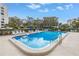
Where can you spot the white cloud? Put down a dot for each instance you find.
(65, 7)
(69, 6)
(44, 3)
(59, 8)
(34, 6)
(43, 10)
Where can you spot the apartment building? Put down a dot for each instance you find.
(3, 16)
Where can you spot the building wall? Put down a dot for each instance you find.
(3, 16)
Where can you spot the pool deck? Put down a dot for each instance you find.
(69, 47)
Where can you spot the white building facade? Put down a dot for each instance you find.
(3, 16)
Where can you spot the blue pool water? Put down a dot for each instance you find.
(38, 40)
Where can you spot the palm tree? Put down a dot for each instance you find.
(65, 27)
(50, 22)
(14, 22)
(75, 24)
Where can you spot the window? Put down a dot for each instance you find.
(2, 10)
(2, 13)
(2, 7)
(2, 26)
(2, 21)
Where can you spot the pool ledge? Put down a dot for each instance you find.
(42, 51)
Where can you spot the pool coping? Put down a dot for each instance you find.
(37, 52)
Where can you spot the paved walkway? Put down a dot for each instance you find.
(7, 48)
(69, 47)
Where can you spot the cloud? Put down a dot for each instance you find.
(59, 8)
(44, 3)
(69, 6)
(43, 10)
(38, 7)
(34, 6)
(65, 7)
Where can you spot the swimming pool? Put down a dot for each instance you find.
(40, 43)
(39, 40)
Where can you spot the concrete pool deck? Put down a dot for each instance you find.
(69, 47)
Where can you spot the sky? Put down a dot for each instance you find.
(64, 11)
